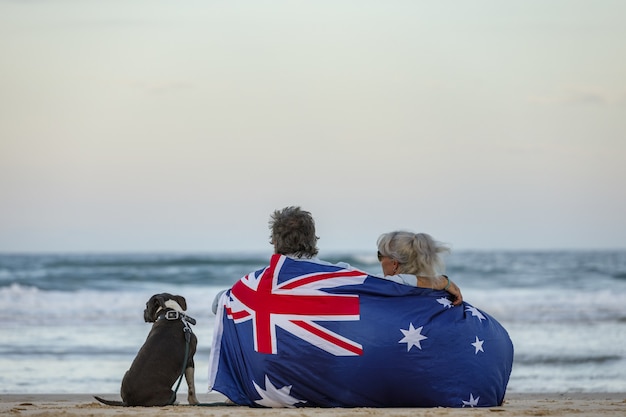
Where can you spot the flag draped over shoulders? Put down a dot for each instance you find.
(305, 334)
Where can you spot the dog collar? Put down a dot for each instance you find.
(176, 315)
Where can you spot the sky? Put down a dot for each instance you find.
(154, 125)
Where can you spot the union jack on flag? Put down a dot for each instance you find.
(296, 304)
(307, 333)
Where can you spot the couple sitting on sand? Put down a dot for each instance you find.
(302, 332)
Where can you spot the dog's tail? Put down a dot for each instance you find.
(110, 402)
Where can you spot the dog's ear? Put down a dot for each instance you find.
(159, 301)
(181, 301)
(152, 306)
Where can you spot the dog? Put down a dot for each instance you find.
(159, 362)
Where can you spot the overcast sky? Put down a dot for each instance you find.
(153, 125)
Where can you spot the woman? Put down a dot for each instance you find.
(414, 259)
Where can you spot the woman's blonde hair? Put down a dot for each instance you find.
(417, 253)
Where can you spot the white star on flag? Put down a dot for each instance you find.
(478, 344)
(475, 313)
(274, 397)
(472, 401)
(412, 337)
(445, 302)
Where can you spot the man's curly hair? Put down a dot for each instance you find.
(293, 232)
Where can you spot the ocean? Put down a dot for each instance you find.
(72, 323)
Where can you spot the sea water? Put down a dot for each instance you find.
(72, 323)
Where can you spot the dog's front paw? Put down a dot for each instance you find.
(191, 399)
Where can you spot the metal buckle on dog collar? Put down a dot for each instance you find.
(172, 315)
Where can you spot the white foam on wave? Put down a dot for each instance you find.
(26, 304)
(527, 305)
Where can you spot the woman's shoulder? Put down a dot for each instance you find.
(405, 279)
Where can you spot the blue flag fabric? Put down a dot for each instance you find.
(305, 334)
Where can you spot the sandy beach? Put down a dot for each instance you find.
(570, 404)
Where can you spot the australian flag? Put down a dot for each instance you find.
(302, 333)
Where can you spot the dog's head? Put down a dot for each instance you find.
(160, 301)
